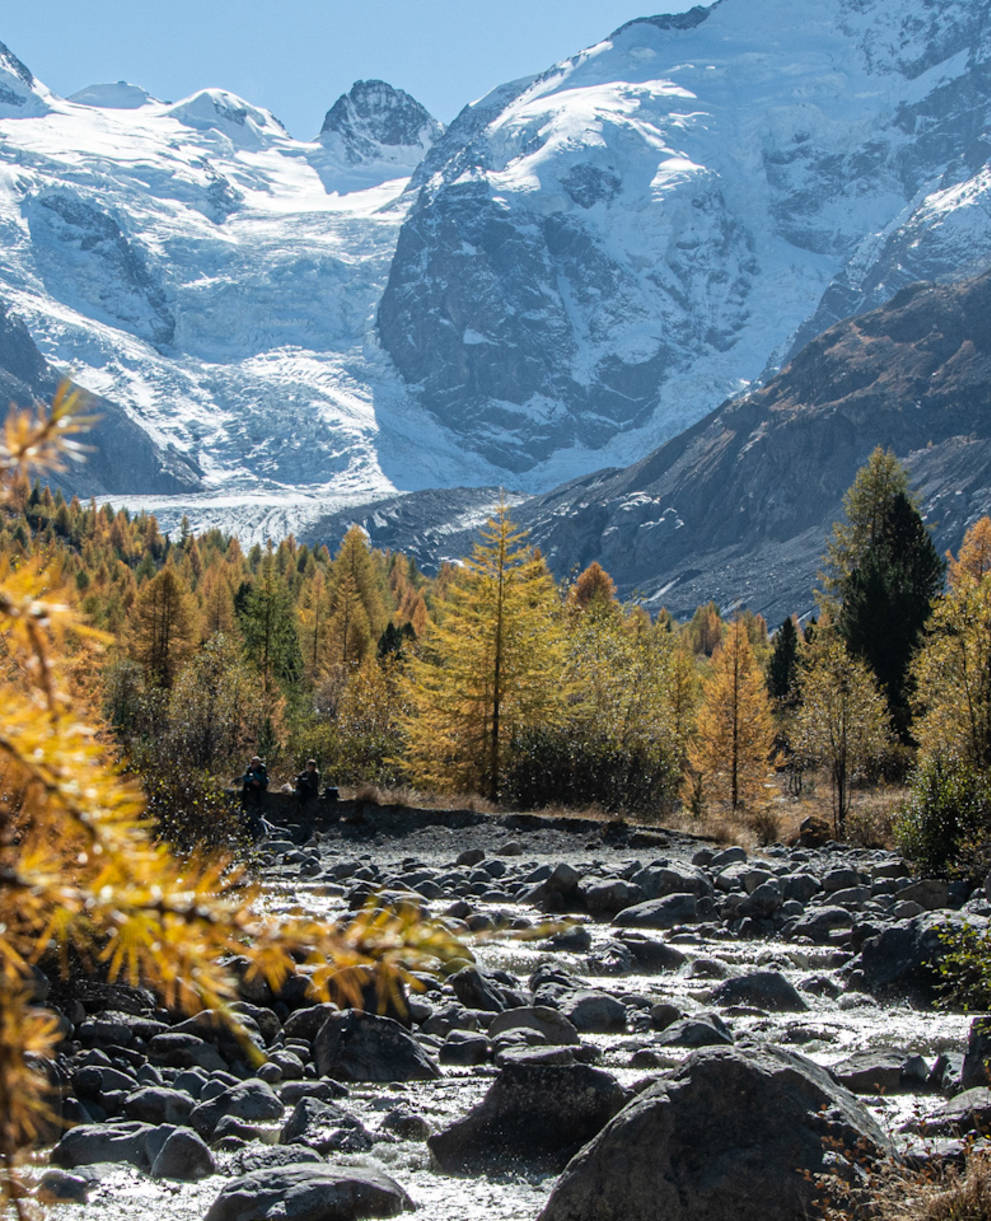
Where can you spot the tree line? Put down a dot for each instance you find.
(492, 678)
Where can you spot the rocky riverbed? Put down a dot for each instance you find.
(697, 1020)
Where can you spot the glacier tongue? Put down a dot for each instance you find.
(194, 263)
(581, 265)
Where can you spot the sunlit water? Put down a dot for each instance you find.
(831, 1030)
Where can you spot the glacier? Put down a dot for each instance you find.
(581, 265)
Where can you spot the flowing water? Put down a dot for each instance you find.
(832, 1029)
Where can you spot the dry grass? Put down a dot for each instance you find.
(892, 1193)
(416, 799)
(869, 823)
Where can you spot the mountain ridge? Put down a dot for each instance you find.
(585, 262)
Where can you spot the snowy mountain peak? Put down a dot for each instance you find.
(674, 21)
(246, 126)
(376, 122)
(120, 95)
(21, 95)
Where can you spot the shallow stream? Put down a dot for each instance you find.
(832, 1029)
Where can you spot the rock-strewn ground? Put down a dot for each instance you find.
(660, 970)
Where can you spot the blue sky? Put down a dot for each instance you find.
(296, 57)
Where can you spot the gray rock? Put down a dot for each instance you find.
(248, 1100)
(477, 990)
(966, 1112)
(180, 1050)
(607, 896)
(660, 913)
(594, 1011)
(92, 1081)
(258, 1155)
(535, 1114)
(464, 1047)
(730, 1135)
(308, 1192)
(651, 954)
(879, 1071)
(575, 939)
(765, 989)
(800, 886)
(853, 898)
(764, 900)
(553, 1025)
(406, 1124)
(60, 1187)
(930, 893)
(820, 924)
(840, 878)
(658, 880)
(117, 1142)
(327, 1091)
(903, 959)
(325, 1127)
(696, 1032)
(976, 1068)
(156, 1104)
(183, 1156)
(728, 856)
(304, 1023)
(358, 1046)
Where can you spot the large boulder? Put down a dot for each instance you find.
(976, 1070)
(477, 990)
(732, 1134)
(590, 1010)
(248, 1100)
(764, 989)
(660, 879)
(660, 913)
(183, 1156)
(903, 959)
(551, 1024)
(310, 1192)
(536, 1112)
(131, 1142)
(357, 1046)
(325, 1127)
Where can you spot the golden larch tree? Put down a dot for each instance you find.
(952, 673)
(164, 626)
(733, 746)
(80, 871)
(974, 559)
(490, 665)
(842, 720)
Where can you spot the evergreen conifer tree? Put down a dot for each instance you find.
(884, 574)
(783, 663)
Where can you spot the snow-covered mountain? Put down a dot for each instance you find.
(218, 280)
(581, 266)
(646, 226)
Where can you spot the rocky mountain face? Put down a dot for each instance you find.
(582, 265)
(21, 95)
(650, 224)
(216, 279)
(739, 507)
(374, 122)
(121, 455)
